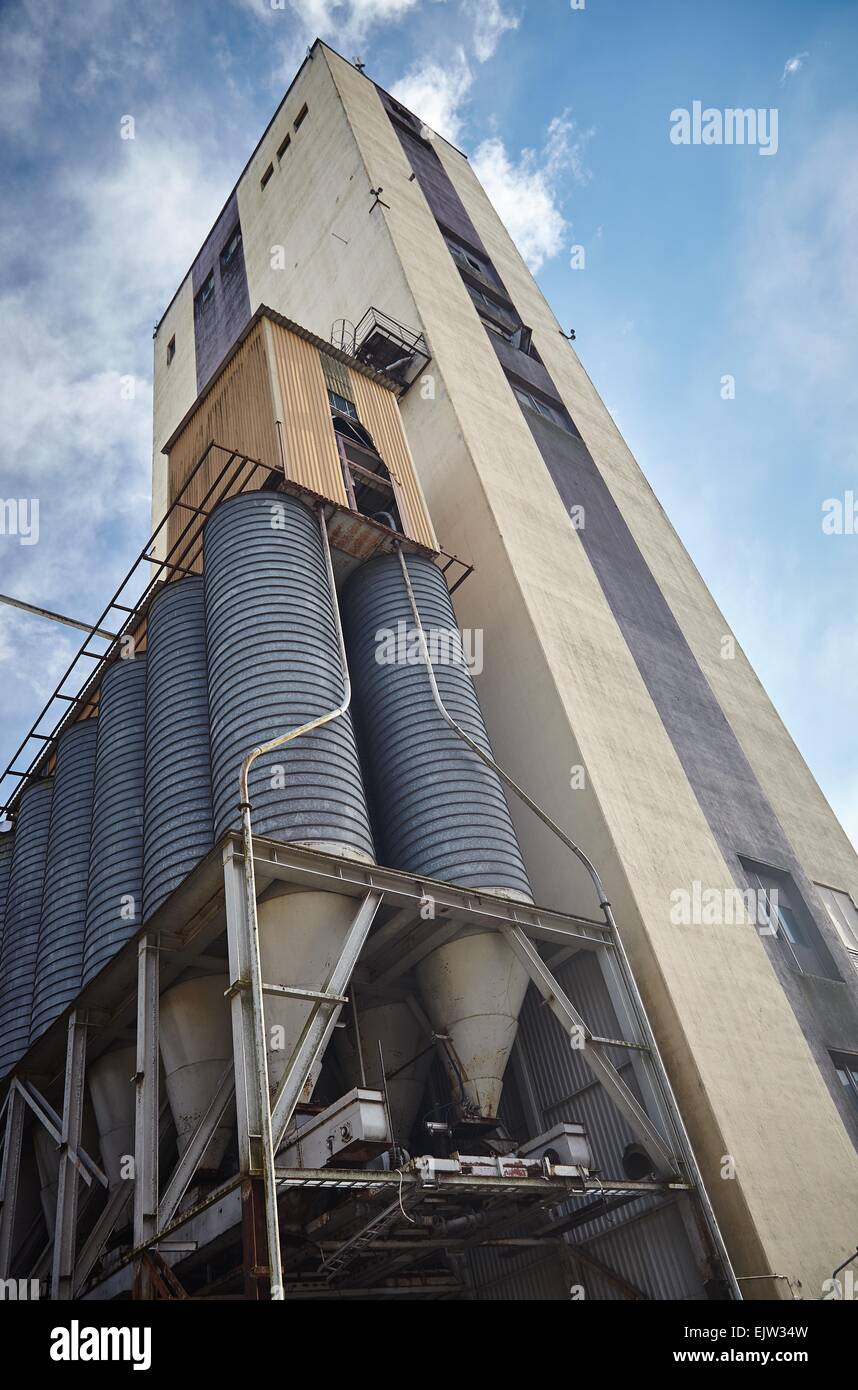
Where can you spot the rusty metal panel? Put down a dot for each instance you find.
(311, 456)
(379, 412)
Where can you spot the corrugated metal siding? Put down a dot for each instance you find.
(311, 451)
(645, 1242)
(238, 413)
(379, 412)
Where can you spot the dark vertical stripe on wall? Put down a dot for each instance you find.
(218, 322)
(740, 815)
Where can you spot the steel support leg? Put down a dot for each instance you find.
(322, 1020)
(594, 1054)
(147, 1107)
(65, 1228)
(9, 1175)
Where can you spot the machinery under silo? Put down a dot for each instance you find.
(306, 918)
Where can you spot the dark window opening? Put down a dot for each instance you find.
(549, 410)
(787, 917)
(465, 257)
(206, 291)
(171, 349)
(301, 116)
(266, 176)
(284, 145)
(231, 250)
(342, 405)
(369, 486)
(846, 1064)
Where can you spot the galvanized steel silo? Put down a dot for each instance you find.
(7, 844)
(114, 899)
(59, 964)
(274, 663)
(21, 922)
(195, 1032)
(439, 811)
(177, 821)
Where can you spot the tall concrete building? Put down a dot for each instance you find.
(609, 685)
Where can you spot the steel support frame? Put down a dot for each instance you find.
(65, 1230)
(259, 1216)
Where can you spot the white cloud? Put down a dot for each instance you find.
(793, 65)
(491, 22)
(527, 192)
(436, 92)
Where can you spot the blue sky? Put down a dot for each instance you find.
(700, 262)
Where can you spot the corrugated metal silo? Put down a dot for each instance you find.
(60, 960)
(114, 900)
(7, 845)
(177, 821)
(21, 922)
(274, 663)
(439, 810)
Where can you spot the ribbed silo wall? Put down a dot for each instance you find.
(274, 664)
(114, 899)
(438, 810)
(59, 965)
(21, 922)
(177, 821)
(7, 845)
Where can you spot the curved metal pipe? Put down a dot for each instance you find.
(272, 1222)
(672, 1109)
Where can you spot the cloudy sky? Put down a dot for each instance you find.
(699, 263)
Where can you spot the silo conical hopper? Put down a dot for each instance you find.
(273, 664)
(114, 1100)
(407, 1053)
(439, 810)
(48, 1161)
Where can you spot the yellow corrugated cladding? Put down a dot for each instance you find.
(308, 437)
(237, 413)
(378, 411)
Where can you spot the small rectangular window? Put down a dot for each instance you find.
(844, 915)
(344, 406)
(284, 145)
(847, 1073)
(171, 349)
(266, 176)
(232, 248)
(206, 291)
(301, 116)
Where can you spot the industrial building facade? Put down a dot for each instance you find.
(359, 334)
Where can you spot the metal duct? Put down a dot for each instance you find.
(21, 922)
(59, 964)
(274, 663)
(113, 909)
(439, 810)
(177, 820)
